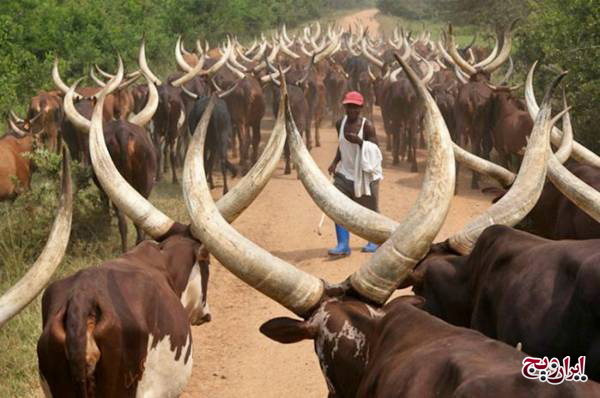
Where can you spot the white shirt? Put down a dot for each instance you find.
(361, 165)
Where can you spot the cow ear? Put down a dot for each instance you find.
(287, 330)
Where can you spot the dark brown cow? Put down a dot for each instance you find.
(511, 125)
(129, 146)
(401, 351)
(336, 84)
(44, 118)
(473, 103)
(366, 350)
(517, 287)
(554, 216)
(14, 166)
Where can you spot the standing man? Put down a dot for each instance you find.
(356, 167)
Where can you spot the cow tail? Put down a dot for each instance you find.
(82, 351)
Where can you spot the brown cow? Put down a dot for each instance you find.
(44, 118)
(130, 148)
(122, 329)
(14, 166)
(366, 350)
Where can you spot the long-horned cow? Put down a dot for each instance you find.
(364, 349)
(122, 329)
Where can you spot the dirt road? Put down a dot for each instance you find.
(231, 357)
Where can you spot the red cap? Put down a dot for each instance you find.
(353, 97)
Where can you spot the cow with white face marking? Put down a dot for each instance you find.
(366, 348)
(122, 329)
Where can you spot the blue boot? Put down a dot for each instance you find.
(343, 238)
(369, 248)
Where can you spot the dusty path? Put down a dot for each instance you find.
(232, 358)
(364, 17)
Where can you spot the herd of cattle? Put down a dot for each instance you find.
(122, 329)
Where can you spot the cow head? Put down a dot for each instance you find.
(342, 330)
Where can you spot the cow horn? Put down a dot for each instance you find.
(235, 71)
(58, 81)
(482, 166)
(504, 52)
(444, 53)
(198, 71)
(527, 187)
(95, 78)
(144, 65)
(189, 93)
(581, 194)
(80, 122)
(294, 289)
(102, 72)
(199, 48)
(231, 89)
(410, 242)
(21, 133)
(503, 88)
(458, 60)
(127, 199)
(38, 276)
(146, 114)
(490, 57)
(460, 75)
(369, 56)
(179, 57)
(580, 153)
(394, 74)
(371, 75)
(14, 117)
(566, 144)
(287, 51)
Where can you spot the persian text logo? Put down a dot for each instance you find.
(552, 371)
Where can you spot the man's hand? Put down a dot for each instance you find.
(353, 138)
(332, 167)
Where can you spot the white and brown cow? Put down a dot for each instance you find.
(122, 329)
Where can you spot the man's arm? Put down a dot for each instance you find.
(369, 133)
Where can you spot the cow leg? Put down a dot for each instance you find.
(223, 163)
(159, 157)
(122, 228)
(286, 155)
(396, 147)
(166, 151)
(208, 165)
(475, 176)
(413, 151)
(255, 141)
(244, 149)
(172, 150)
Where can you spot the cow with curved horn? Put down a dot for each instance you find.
(15, 166)
(113, 330)
(44, 118)
(361, 343)
(130, 148)
(169, 119)
(219, 132)
(481, 277)
(37, 277)
(473, 103)
(298, 108)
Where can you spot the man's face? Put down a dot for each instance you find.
(353, 111)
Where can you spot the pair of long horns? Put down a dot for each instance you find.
(299, 291)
